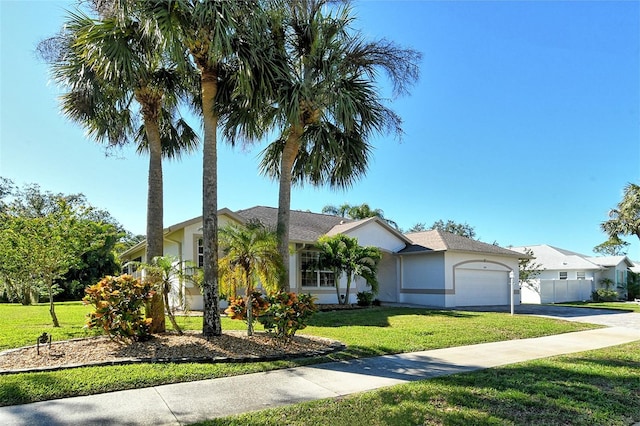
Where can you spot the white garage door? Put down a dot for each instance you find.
(478, 287)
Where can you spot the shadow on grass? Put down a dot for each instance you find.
(377, 316)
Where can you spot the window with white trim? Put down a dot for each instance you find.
(580, 275)
(312, 274)
(563, 275)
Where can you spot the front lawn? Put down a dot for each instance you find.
(366, 332)
(623, 306)
(600, 387)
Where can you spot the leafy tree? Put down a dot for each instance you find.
(30, 202)
(418, 227)
(462, 229)
(328, 104)
(614, 246)
(252, 253)
(343, 254)
(625, 219)
(357, 212)
(228, 43)
(42, 249)
(114, 73)
(528, 269)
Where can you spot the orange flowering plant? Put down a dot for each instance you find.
(118, 303)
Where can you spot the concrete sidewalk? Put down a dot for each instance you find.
(185, 403)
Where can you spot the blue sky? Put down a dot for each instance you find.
(525, 124)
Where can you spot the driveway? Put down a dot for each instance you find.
(608, 317)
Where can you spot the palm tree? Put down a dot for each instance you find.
(227, 42)
(253, 249)
(328, 107)
(363, 211)
(343, 254)
(114, 73)
(625, 220)
(162, 272)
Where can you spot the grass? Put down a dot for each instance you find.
(366, 332)
(623, 306)
(589, 388)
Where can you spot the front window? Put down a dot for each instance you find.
(200, 254)
(563, 275)
(580, 275)
(313, 275)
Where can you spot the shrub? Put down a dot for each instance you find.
(118, 303)
(287, 313)
(365, 298)
(238, 306)
(604, 295)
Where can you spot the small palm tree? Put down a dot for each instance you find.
(343, 254)
(163, 272)
(251, 249)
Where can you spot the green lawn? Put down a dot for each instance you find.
(366, 332)
(624, 306)
(599, 387)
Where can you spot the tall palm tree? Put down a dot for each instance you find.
(329, 106)
(226, 40)
(113, 74)
(253, 249)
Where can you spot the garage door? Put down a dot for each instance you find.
(478, 287)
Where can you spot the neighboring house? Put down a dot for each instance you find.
(568, 276)
(431, 268)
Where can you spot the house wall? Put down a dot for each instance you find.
(388, 278)
(554, 274)
(422, 276)
(373, 234)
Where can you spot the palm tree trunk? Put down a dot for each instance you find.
(172, 318)
(211, 319)
(154, 210)
(289, 154)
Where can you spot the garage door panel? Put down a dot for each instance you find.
(477, 287)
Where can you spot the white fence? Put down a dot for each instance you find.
(556, 291)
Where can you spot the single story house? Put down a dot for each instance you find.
(431, 268)
(568, 276)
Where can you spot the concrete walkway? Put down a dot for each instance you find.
(185, 403)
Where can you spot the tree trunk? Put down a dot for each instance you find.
(211, 325)
(249, 304)
(346, 293)
(52, 306)
(154, 208)
(172, 318)
(289, 155)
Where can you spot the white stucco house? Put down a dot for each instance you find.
(568, 276)
(431, 268)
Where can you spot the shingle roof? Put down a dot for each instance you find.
(554, 258)
(303, 226)
(436, 240)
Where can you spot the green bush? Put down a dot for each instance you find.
(287, 313)
(118, 303)
(365, 298)
(604, 295)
